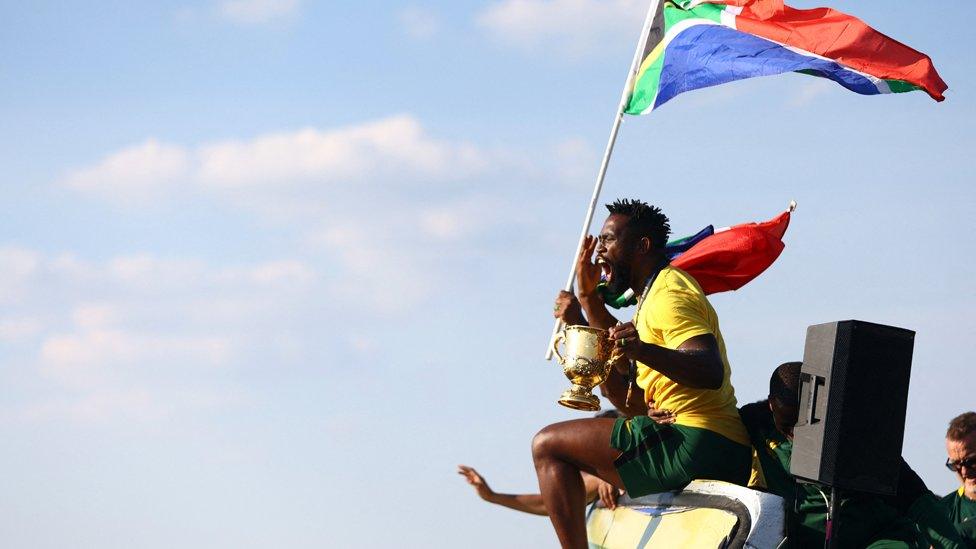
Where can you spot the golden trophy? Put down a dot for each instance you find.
(589, 355)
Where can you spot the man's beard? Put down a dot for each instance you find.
(620, 281)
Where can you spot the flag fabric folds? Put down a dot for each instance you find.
(731, 257)
(694, 44)
(677, 247)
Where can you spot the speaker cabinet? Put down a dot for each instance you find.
(853, 395)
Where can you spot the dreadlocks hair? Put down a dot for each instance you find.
(784, 385)
(962, 426)
(645, 219)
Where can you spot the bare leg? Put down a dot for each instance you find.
(560, 452)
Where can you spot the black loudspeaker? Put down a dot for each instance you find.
(853, 395)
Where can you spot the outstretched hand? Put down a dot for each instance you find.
(476, 480)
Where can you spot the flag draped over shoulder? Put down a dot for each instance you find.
(729, 258)
(694, 44)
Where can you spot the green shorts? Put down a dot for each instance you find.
(658, 458)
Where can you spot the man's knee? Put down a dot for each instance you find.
(545, 442)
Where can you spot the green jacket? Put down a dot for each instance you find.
(912, 519)
(962, 512)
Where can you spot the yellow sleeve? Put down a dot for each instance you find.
(678, 316)
(757, 480)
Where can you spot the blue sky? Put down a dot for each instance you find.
(269, 269)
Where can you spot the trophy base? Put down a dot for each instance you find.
(579, 398)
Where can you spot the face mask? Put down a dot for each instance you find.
(617, 301)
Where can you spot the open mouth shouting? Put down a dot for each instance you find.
(614, 274)
(607, 268)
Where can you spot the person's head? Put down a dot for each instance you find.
(632, 238)
(784, 396)
(961, 447)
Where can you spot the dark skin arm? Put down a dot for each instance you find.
(568, 308)
(532, 503)
(696, 363)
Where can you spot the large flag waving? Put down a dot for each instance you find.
(694, 44)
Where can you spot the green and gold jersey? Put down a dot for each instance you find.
(962, 513)
(771, 452)
(864, 520)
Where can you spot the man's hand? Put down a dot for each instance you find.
(587, 272)
(608, 494)
(567, 309)
(474, 479)
(696, 363)
(626, 341)
(663, 417)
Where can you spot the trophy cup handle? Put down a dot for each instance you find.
(560, 337)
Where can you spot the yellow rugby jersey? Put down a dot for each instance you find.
(674, 311)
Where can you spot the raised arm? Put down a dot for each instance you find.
(587, 279)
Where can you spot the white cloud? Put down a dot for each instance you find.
(561, 27)
(92, 358)
(15, 329)
(282, 273)
(389, 274)
(136, 173)
(147, 270)
(92, 316)
(132, 335)
(459, 220)
(396, 148)
(17, 265)
(419, 23)
(423, 196)
(140, 405)
(254, 12)
(392, 146)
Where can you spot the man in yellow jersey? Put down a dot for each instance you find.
(960, 505)
(681, 366)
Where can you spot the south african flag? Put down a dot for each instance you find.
(694, 44)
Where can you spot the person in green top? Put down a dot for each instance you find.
(911, 518)
(960, 505)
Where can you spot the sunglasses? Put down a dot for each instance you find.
(956, 466)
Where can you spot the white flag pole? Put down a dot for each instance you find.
(618, 118)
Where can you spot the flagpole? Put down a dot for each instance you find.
(618, 118)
